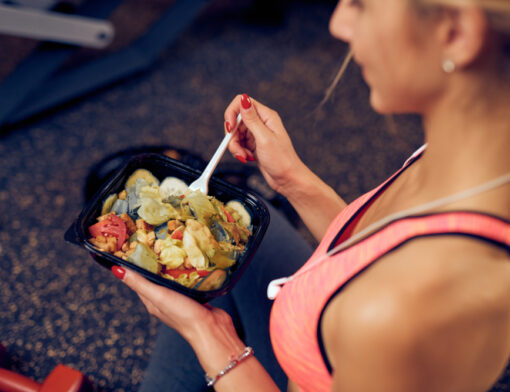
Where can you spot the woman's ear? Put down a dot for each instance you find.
(463, 34)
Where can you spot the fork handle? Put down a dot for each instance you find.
(209, 169)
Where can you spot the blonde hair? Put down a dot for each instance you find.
(346, 61)
(497, 11)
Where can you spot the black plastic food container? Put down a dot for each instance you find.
(162, 166)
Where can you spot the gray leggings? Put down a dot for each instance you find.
(173, 365)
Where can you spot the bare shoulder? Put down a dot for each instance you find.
(432, 315)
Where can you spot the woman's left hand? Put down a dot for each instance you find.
(208, 330)
(172, 308)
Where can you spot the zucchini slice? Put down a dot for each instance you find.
(143, 174)
(172, 186)
(108, 203)
(244, 215)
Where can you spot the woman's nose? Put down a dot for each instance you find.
(341, 22)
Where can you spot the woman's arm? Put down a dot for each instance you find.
(262, 137)
(316, 202)
(208, 330)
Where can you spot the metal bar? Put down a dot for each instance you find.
(41, 64)
(114, 67)
(54, 26)
(40, 4)
(80, 81)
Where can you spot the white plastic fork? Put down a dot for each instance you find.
(202, 183)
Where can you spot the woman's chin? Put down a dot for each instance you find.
(388, 106)
(379, 105)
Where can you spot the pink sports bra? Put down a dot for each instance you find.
(297, 310)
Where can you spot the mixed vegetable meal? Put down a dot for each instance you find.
(171, 231)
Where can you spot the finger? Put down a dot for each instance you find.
(253, 113)
(247, 141)
(232, 110)
(152, 309)
(250, 148)
(155, 293)
(252, 119)
(147, 303)
(238, 146)
(242, 145)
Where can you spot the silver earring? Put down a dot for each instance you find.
(448, 66)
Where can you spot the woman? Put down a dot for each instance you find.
(432, 313)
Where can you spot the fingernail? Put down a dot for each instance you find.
(119, 272)
(227, 127)
(245, 101)
(241, 159)
(251, 158)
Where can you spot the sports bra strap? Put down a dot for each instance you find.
(464, 222)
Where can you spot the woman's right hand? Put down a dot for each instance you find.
(261, 136)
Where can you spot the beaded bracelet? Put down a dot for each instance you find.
(247, 352)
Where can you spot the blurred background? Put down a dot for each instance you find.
(71, 113)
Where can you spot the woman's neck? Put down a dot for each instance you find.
(468, 133)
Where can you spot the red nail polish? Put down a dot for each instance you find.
(251, 158)
(227, 126)
(241, 159)
(119, 272)
(245, 101)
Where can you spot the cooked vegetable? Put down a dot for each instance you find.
(200, 206)
(195, 256)
(149, 192)
(172, 253)
(143, 174)
(177, 235)
(185, 236)
(213, 281)
(219, 232)
(227, 215)
(155, 213)
(203, 237)
(110, 226)
(176, 273)
(144, 257)
(133, 204)
(108, 203)
(161, 231)
(120, 207)
(240, 212)
(189, 278)
(174, 201)
(172, 186)
(226, 255)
